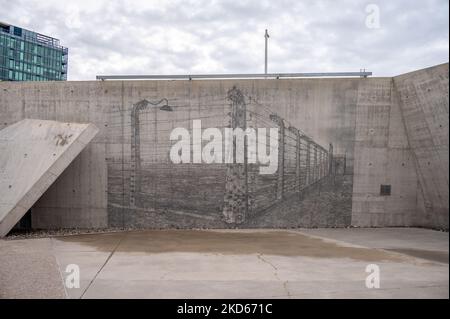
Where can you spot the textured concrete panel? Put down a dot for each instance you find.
(33, 153)
(424, 103)
(382, 157)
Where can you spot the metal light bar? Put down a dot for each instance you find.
(232, 76)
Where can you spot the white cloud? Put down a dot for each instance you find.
(162, 37)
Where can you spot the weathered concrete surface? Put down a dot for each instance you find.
(98, 185)
(239, 264)
(424, 104)
(369, 121)
(29, 269)
(33, 153)
(433, 244)
(382, 156)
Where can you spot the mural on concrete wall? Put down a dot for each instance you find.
(310, 187)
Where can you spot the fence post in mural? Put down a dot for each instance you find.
(312, 164)
(315, 164)
(135, 151)
(133, 158)
(330, 159)
(297, 157)
(298, 162)
(319, 163)
(322, 161)
(280, 178)
(235, 206)
(135, 174)
(308, 162)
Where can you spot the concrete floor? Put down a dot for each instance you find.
(307, 263)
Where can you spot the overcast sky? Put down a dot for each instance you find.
(191, 37)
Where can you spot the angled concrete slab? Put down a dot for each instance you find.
(33, 153)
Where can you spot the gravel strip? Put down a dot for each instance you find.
(44, 233)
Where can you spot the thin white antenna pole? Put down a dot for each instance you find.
(266, 36)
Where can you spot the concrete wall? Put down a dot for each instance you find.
(196, 195)
(372, 124)
(78, 198)
(382, 157)
(423, 103)
(33, 153)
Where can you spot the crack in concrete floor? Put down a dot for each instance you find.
(168, 264)
(284, 282)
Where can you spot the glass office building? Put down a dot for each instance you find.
(30, 56)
